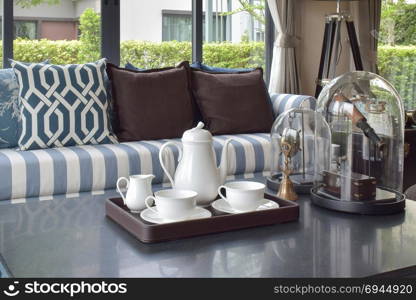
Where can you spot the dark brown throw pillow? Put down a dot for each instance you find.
(151, 104)
(232, 103)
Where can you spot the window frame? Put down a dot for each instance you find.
(8, 32)
(110, 32)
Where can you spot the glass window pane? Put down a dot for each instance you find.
(26, 29)
(155, 33)
(177, 27)
(397, 48)
(234, 33)
(64, 33)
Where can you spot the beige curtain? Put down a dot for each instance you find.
(368, 13)
(284, 76)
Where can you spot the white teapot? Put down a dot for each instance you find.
(197, 169)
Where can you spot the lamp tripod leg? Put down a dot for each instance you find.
(326, 54)
(321, 64)
(332, 37)
(355, 48)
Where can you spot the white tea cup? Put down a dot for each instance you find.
(173, 204)
(243, 195)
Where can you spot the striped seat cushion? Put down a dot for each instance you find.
(47, 172)
(284, 102)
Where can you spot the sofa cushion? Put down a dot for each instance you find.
(9, 109)
(232, 103)
(204, 67)
(63, 105)
(130, 66)
(285, 102)
(200, 66)
(151, 104)
(46, 172)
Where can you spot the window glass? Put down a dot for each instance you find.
(155, 34)
(234, 33)
(177, 27)
(397, 48)
(25, 29)
(63, 32)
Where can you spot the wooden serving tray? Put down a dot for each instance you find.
(219, 222)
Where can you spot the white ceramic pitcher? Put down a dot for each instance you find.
(197, 169)
(139, 187)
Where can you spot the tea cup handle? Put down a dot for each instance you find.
(220, 193)
(148, 205)
(119, 190)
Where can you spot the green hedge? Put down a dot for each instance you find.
(154, 55)
(227, 55)
(59, 52)
(397, 64)
(145, 54)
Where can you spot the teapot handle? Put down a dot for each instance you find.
(162, 149)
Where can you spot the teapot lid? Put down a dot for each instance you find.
(197, 134)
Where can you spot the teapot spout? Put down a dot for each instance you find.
(223, 169)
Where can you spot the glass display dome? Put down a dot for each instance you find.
(364, 162)
(297, 128)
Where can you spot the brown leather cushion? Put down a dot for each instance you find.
(232, 103)
(151, 104)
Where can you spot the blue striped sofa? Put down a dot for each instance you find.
(59, 171)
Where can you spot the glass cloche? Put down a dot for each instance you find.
(362, 169)
(295, 129)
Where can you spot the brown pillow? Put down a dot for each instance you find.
(151, 104)
(232, 103)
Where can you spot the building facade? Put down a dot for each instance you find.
(156, 20)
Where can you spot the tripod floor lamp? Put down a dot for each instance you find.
(332, 43)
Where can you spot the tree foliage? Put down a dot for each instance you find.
(90, 37)
(31, 3)
(398, 23)
(256, 10)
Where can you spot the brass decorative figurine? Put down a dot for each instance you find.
(290, 145)
(296, 127)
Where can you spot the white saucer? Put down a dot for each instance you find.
(152, 217)
(223, 206)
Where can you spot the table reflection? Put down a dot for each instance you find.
(73, 237)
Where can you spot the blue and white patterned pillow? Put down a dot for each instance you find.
(63, 105)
